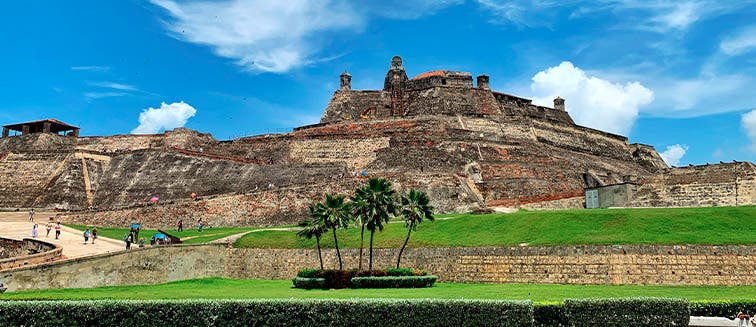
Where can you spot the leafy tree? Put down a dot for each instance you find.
(334, 212)
(314, 228)
(358, 208)
(415, 209)
(380, 205)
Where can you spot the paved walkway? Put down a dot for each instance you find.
(16, 225)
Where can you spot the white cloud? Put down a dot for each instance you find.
(91, 68)
(100, 95)
(168, 116)
(267, 36)
(277, 36)
(740, 43)
(591, 101)
(673, 153)
(748, 120)
(116, 86)
(678, 16)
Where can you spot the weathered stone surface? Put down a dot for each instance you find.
(594, 264)
(724, 184)
(468, 147)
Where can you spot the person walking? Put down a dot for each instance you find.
(31, 214)
(94, 234)
(180, 225)
(34, 231)
(199, 225)
(128, 240)
(86, 235)
(57, 230)
(48, 228)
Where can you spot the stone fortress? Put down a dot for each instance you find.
(469, 147)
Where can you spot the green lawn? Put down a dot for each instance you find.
(188, 235)
(219, 288)
(719, 225)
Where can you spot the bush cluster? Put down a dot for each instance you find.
(393, 282)
(288, 312)
(727, 309)
(335, 278)
(549, 315)
(309, 283)
(627, 312)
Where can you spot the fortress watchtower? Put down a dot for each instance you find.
(42, 126)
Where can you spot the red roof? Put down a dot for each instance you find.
(431, 73)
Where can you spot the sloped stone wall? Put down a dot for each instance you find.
(726, 184)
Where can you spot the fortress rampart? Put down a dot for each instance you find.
(467, 146)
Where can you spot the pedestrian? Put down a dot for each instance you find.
(34, 231)
(48, 228)
(128, 240)
(180, 225)
(94, 234)
(86, 235)
(57, 230)
(31, 214)
(199, 225)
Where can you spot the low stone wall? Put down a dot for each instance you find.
(152, 265)
(561, 204)
(28, 252)
(599, 265)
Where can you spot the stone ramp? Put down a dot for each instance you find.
(16, 225)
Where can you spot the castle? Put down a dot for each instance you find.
(466, 145)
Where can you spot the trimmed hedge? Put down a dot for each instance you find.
(627, 312)
(227, 313)
(549, 315)
(309, 283)
(393, 282)
(727, 309)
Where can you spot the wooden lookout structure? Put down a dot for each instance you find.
(41, 126)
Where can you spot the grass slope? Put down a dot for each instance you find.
(219, 288)
(719, 225)
(188, 235)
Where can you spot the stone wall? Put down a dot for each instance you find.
(27, 252)
(599, 265)
(136, 267)
(725, 184)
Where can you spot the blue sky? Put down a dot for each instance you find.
(678, 75)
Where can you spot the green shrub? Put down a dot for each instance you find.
(309, 283)
(335, 278)
(393, 282)
(405, 272)
(291, 312)
(727, 309)
(549, 315)
(627, 312)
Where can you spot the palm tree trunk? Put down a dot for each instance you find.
(370, 262)
(338, 254)
(362, 243)
(317, 240)
(399, 259)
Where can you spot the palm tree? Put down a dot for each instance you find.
(358, 209)
(415, 209)
(335, 213)
(380, 205)
(314, 228)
